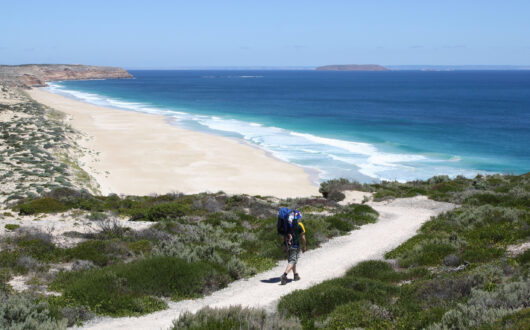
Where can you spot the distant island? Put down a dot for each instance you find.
(352, 67)
(36, 75)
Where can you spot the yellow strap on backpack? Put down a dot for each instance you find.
(302, 225)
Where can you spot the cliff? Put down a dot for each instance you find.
(352, 67)
(36, 75)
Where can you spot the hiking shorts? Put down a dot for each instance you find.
(293, 254)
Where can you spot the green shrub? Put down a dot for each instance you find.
(359, 314)
(338, 223)
(485, 307)
(429, 253)
(42, 205)
(259, 263)
(474, 233)
(234, 317)
(336, 196)
(513, 321)
(406, 246)
(10, 226)
(95, 251)
(24, 312)
(40, 248)
(75, 315)
(332, 189)
(130, 289)
(524, 258)
(316, 301)
(168, 210)
(376, 270)
(8, 259)
(321, 299)
(142, 247)
(359, 214)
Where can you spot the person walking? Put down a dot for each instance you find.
(295, 236)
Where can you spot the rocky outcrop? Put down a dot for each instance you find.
(36, 75)
(352, 67)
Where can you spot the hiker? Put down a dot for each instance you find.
(293, 234)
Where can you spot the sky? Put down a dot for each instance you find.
(175, 34)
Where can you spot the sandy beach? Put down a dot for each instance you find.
(139, 154)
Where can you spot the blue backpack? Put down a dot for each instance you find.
(283, 220)
(282, 224)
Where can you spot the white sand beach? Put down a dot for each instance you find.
(139, 154)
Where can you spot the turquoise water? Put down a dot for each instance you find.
(366, 126)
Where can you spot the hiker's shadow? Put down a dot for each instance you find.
(273, 280)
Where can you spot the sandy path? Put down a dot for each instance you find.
(398, 221)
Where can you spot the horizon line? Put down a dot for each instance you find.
(312, 67)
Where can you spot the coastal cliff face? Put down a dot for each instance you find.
(36, 75)
(352, 67)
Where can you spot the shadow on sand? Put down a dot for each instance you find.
(273, 280)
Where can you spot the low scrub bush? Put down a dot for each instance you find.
(512, 321)
(359, 314)
(356, 286)
(11, 227)
(111, 228)
(234, 317)
(485, 307)
(470, 233)
(359, 214)
(132, 288)
(93, 251)
(29, 263)
(164, 211)
(141, 247)
(42, 205)
(376, 270)
(76, 315)
(8, 259)
(37, 245)
(339, 223)
(333, 189)
(25, 312)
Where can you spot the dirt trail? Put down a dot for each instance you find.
(399, 220)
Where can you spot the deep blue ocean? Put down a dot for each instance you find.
(367, 126)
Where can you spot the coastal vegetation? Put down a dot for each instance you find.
(466, 268)
(37, 150)
(200, 243)
(197, 244)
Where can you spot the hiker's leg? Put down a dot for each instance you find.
(294, 269)
(288, 268)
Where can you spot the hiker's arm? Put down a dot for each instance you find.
(303, 241)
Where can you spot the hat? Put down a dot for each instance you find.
(297, 215)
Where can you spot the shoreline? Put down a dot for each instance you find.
(312, 172)
(164, 158)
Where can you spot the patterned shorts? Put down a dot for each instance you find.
(293, 254)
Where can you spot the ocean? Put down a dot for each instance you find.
(365, 126)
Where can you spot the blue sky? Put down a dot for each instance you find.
(170, 34)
